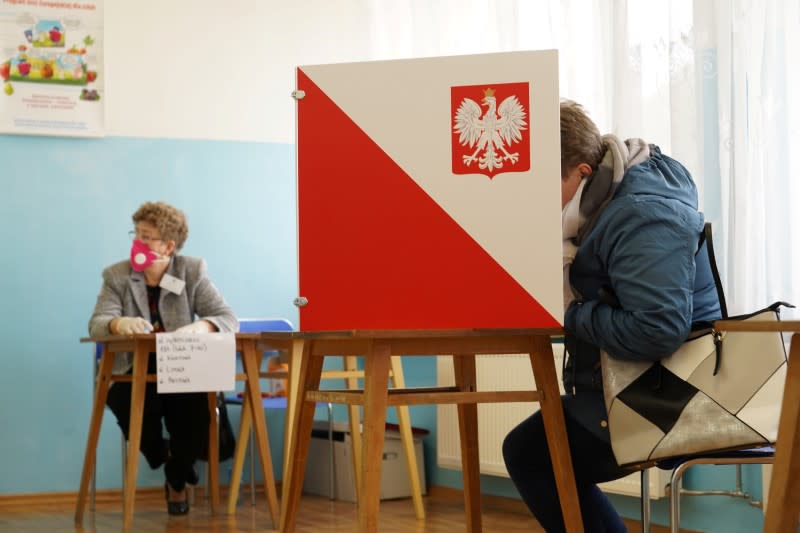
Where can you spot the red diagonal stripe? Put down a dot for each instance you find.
(376, 252)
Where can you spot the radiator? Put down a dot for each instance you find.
(495, 420)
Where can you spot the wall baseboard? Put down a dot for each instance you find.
(111, 496)
(17, 502)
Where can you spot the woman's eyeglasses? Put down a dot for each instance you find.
(144, 238)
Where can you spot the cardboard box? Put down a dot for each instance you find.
(394, 476)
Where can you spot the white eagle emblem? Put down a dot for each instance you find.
(491, 133)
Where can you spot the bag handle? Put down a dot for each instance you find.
(707, 236)
(723, 306)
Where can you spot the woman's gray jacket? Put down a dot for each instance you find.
(124, 293)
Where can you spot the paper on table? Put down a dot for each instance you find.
(195, 362)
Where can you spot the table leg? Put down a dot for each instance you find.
(354, 417)
(295, 357)
(784, 489)
(544, 373)
(466, 381)
(139, 380)
(376, 400)
(238, 454)
(90, 455)
(250, 362)
(309, 370)
(293, 396)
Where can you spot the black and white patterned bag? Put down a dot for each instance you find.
(719, 391)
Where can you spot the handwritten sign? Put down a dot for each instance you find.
(195, 362)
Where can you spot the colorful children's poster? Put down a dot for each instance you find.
(51, 67)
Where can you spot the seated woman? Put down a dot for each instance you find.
(158, 290)
(631, 229)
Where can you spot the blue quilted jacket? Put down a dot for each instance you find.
(640, 279)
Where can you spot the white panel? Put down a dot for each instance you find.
(405, 108)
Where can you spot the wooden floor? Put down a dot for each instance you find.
(445, 514)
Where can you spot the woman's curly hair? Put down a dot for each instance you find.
(170, 221)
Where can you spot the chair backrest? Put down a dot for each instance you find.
(257, 325)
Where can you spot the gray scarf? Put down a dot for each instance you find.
(593, 195)
(600, 186)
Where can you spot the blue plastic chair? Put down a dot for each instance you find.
(258, 325)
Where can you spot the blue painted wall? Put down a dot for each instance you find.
(65, 211)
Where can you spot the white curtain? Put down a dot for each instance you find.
(713, 82)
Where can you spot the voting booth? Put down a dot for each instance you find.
(429, 222)
(429, 193)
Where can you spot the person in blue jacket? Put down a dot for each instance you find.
(632, 288)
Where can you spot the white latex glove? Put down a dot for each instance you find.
(128, 325)
(199, 326)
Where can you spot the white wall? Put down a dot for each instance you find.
(203, 69)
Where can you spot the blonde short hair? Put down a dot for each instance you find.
(170, 221)
(581, 141)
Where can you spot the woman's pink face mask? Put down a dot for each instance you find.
(142, 256)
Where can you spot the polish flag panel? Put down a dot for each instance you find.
(428, 193)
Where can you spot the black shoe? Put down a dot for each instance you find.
(175, 508)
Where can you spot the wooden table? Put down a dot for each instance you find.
(141, 345)
(308, 350)
(783, 505)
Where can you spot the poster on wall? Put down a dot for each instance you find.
(429, 193)
(51, 65)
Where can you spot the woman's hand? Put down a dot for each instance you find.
(199, 326)
(128, 325)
